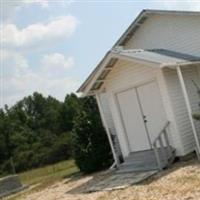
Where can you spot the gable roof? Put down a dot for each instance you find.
(156, 56)
(142, 17)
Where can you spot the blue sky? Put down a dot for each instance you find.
(51, 46)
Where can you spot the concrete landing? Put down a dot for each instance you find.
(141, 161)
(117, 181)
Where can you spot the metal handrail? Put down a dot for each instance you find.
(164, 128)
(162, 152)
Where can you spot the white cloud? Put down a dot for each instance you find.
(9, 7)
(12, 63)
(19, 80)
(42, 3)
(55, 65)
(36, 34)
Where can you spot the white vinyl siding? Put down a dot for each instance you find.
(174, 136)
(179, 33)
(126, 75)
(179, 106)
(191, 74)
(173, 32)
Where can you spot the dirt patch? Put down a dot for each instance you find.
(181, 182)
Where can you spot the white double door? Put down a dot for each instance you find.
(142, 115)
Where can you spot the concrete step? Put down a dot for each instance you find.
(138, 169)
(143, 161)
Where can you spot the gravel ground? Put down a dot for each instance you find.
(181, 182)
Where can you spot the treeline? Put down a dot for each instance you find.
(37, 131)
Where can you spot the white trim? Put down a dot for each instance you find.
(124, 89)
(135, 85)
(174, 65)
(107, 129)
(189, 109)
(96, 75)
(135, 59)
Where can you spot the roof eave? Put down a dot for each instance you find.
(92, 74)
(181, 64)
(134, 59)
(87, 85)
(136, 22)
(128, 30)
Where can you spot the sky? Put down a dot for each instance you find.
(51, 46)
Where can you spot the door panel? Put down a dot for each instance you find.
(133, 120)
(152, 108)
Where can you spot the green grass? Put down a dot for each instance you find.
(55, 172)
(46, 176)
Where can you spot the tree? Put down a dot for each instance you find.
(37, 131)
(6, 129)
(32, 131)
(69, 111)
(91, 148)
(3, 147)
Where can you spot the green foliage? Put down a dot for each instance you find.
(197, 115)
(91, 147)
(34, 132)
(70, 108)
(37, 131)
(6, 146)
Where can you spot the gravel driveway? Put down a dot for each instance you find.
(181, 182)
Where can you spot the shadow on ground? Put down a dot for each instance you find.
(107, 181)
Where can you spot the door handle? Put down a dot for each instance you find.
(145, 118)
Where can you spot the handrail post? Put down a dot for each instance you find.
(157, 156)
(162, 152)
(167, 143)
